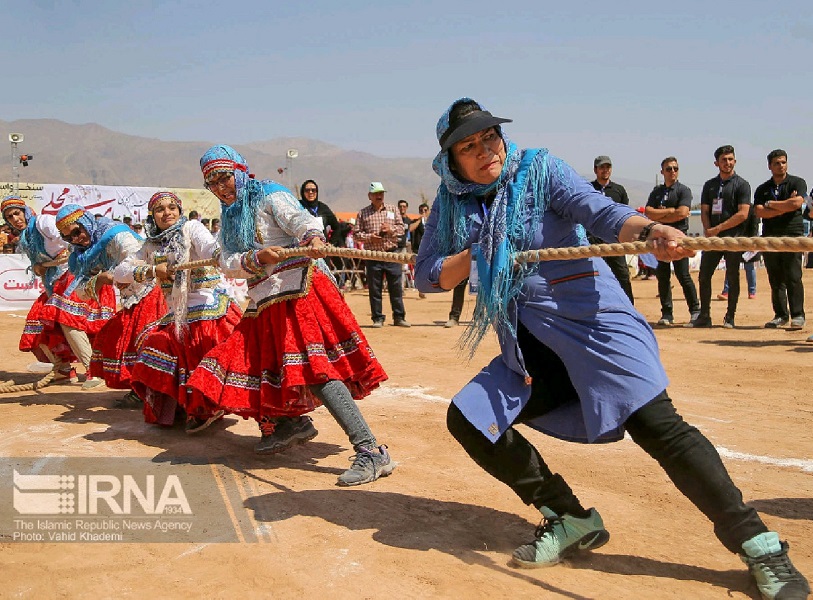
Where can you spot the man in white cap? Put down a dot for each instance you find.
(379, 227)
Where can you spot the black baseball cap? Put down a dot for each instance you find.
(471, 123)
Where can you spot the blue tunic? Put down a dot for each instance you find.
(578, 310)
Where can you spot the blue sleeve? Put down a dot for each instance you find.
(430, 260)
(572, 197)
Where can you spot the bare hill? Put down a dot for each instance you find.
(90, 153)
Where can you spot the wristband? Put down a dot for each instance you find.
(645, 231)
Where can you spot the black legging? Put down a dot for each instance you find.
(688, 458)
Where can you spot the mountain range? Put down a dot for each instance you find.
(92, 154)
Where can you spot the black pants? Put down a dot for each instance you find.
(785, 276)
(618, 265)
(688, 458)
(708, 264)
(664, 275)
(376, 271)
(458, 296)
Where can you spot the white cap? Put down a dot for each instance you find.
(376, 186)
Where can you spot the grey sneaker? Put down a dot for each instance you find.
(402, 323)
(195, 424)
(368, 465)
(665, 321)
(288, 432)
(775, 575)
(377, 324)
(92, 382)
(796, 323)
(558, 537)
(452, 323)
(774, 323)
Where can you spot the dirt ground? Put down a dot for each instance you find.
(439, 527)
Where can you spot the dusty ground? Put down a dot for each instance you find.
(439, 527)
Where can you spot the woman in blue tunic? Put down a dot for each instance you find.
(577, 360)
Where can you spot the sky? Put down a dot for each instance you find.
(637, 80)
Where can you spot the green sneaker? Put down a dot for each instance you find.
(768, 562)
(558, 537)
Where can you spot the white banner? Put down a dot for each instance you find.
(112, 201)
(18, 289)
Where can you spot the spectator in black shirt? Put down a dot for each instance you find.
(603, 168)
(725, 203)
(309, 199)
(670, 204)
(778, 202)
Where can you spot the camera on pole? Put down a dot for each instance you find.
(24, 158)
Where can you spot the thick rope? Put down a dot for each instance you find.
(9, 387)
(726, 244)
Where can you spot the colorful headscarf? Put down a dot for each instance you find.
(32, 242)
(237, 219)
(158, 196)
(509, 226)
(101, 230)
(172, 241)
(14, 201)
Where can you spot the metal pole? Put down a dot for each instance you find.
(15, 169)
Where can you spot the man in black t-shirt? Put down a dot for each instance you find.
(670, 204)
(725, 203)
(778, 202)
(603, 168)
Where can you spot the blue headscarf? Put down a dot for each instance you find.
(32, 242)
(83, 261)
(509, 227)
(237, 228)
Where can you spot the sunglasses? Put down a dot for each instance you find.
(72, 234)
(311, 190)
(672, 169)
(220, 181)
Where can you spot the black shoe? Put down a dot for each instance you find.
(288, 432)
(728, 322)
(129, 401)
(774, 323)
(699, 322)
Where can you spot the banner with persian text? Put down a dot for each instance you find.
(112, 201)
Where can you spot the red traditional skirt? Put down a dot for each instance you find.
(164, 362)
(42, 325)
(265, 367)
(114, 349)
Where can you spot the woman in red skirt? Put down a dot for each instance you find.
(298, 345)
(59, 327)
(202, 314)
(101, 249)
